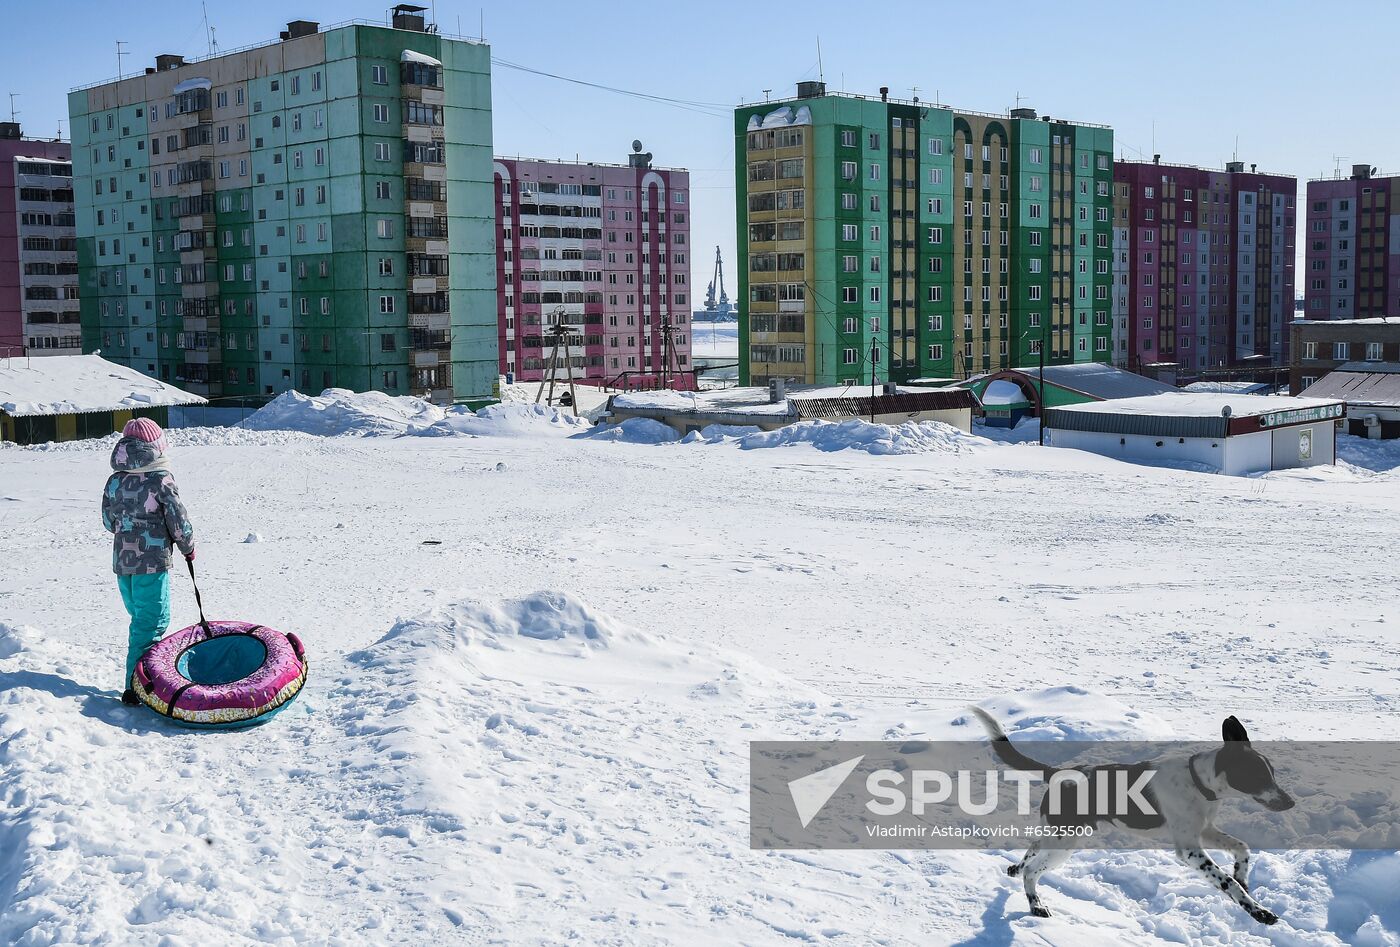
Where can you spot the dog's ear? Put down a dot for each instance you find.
(1233, 731)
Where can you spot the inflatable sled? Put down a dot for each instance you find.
(221, 674)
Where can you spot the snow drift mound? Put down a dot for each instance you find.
(508, 419)
(719, 433)
(1379, 456)
(633, 431)
(911, 437)
(337, 411)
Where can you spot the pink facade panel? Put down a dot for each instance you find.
(28, 217)
(603, 250)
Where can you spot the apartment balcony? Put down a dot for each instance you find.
(431, 358)
(208, 324)
(195, 187)
(428, 284)
(198, 222)
(426, 208)
(428, 246)
(430, 320)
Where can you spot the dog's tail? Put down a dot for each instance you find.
(1003, 747)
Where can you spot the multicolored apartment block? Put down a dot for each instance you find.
(604, 250)
(38, 253)
(1353, 247)
(309, 213)
(1203, 266)
(893, 241)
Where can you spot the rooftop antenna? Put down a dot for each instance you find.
(821, 76)
(120, 53)
(765, 94)
(914, 91)
(1337, 164)
(208, 33)
(14, 111)
(1018, 99)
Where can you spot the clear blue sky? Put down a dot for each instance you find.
(1288, 80)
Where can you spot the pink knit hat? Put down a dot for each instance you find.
(144, 429)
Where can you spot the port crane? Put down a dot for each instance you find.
(720, 305)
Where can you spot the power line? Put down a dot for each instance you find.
(715, 109)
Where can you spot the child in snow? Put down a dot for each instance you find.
(141, 508)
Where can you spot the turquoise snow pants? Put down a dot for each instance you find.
(147, 601)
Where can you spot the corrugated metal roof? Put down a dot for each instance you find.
(1150, 425)
(946, 399)
(1355, 387)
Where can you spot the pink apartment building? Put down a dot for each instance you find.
(603, 249)
(38, 251)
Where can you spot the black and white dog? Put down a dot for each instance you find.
(1185, 791)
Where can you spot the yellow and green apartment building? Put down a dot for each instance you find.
(312, 212)
(894, 241)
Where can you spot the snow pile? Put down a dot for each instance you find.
(12, 640)
(512, 419)
(338, 411)
(178, 438)
(1377, 455)
(633, 431)
(911, 437)
(719, 433)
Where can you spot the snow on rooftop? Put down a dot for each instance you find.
(854, 391)
(78, 384)
(1003, 392)
(750, 400)
(409, 55)
(1198, 405)
(782, 117)
(1229, 387)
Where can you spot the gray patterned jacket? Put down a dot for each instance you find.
(141, 508)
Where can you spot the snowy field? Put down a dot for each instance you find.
(537, 659)
(714, 339)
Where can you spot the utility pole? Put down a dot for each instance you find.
(874, 356)
(670, 362)
(559, 335)
(1041, 432)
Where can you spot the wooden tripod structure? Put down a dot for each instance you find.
(558, 336)
(669, 359)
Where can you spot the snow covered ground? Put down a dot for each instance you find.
(719, 340)
(534, 728)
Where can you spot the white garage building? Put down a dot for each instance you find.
(1228, 433)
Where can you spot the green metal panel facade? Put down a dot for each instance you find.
(976, 239)
(305, 216)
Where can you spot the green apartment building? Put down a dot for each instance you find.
(310, 213)
(895, 241)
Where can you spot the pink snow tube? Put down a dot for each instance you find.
(232, 674)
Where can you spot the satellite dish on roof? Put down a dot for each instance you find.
(636, 144)
(1225, 411)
